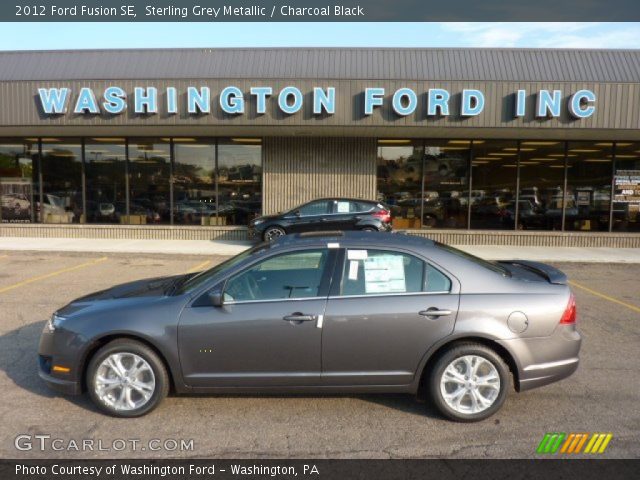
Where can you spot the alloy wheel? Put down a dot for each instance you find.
(124, 381)
(470, 384)
(273, 233)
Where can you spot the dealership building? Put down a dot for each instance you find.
(468, 146)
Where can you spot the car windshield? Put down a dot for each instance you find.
(203, 277)
(493, 266)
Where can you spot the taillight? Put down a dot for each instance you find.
(383, 215)
(569, 315)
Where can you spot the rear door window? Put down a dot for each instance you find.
(380, 272)
(315, 208)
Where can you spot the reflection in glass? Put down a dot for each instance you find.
(18, 180)
(194, 181)
(446, 193)
(105, 168)
(494, 184)
(399, 179)
(626, 200)
(239, 180)
(149, 172)
(541, 185)
(61, 180)
(588, 186)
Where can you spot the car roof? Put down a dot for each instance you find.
(344, 199)
(346, 238)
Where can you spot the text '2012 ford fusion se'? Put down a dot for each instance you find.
(330, 312)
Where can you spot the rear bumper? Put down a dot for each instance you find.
(544, 360)
(539, 375)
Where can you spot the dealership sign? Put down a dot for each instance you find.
(148, 100)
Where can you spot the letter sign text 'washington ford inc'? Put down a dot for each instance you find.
(198, 100)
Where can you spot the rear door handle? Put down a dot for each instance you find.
(299, 317)
(434, 312)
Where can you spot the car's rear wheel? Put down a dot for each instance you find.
(271, 233)
(469, 382)
(126, 378)
(369, 229)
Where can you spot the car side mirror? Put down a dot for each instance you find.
(216, 298)
(297, 213)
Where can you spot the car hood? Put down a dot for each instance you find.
(149, 287)
(264, 218)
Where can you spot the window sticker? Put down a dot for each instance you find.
(353, 270)
(356, 254)
(343, 207)
(384, 274)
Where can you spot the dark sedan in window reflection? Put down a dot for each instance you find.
(324, 214)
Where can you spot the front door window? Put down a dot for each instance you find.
(291, 275)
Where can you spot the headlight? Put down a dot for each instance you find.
(257, 221)
(54, 322)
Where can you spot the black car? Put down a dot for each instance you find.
(324, 214)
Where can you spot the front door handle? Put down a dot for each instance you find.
(299, 317)
(434, 312)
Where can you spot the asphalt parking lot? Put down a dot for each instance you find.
(601, 397)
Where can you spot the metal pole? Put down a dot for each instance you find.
(126, 179)
(470, 183)
(516, 211)
(613, 184)
(84, 181)
(40, 181)
(424, 154)
(171, 157)
(564, 187)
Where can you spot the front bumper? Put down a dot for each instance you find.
(253, 233)
(55, 348)
(544, 360)
(67, 387)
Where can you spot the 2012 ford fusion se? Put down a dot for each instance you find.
(330, 312)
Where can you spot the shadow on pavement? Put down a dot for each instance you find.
(19, 360)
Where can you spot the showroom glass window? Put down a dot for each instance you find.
(446, 184)
(541, 185)
(18, 180)
(399, 180)
(149, 174)
(494, 175)
(61, 166)
(626, 195)
(194, 181)
(239, 180)
(588, 186)
(105, 170)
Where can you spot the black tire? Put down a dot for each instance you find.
(462, 350)
(370, 229)
(127, 346)
(271, 233)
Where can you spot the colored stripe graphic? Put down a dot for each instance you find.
(598, 443)
(572, 443)
(551, 442)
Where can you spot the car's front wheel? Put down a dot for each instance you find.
(469, 382)
(271, 233)
(126, 378)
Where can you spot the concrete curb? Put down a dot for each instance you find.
(228, 248)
